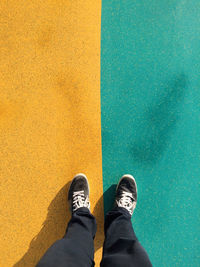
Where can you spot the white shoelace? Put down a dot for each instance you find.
(79, 200)
(126, 201)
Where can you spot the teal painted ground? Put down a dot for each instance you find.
(150, 108)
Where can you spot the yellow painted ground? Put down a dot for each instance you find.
(49, 121)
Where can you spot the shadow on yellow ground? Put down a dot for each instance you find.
(54, 228)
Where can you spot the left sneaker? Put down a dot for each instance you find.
(78, 195)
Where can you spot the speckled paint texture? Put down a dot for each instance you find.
(150, 105)
(49, 121)
(52, 125)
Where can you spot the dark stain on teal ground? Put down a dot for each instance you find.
(158, 124)
(150, 112)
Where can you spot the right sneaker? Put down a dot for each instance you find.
(126, 193)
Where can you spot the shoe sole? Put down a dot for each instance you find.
(129, 176)
(83, 175)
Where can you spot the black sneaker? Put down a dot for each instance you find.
(126, 193)
(78, 195)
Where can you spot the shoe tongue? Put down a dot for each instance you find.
(124, 188)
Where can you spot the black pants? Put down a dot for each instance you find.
(76, 249)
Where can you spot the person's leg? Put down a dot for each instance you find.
(121, 246)
(76, 248)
